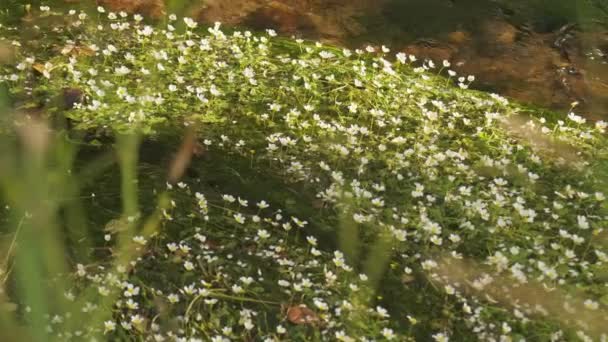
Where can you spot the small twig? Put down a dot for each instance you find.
(11, 247)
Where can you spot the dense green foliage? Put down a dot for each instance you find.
(393, 203)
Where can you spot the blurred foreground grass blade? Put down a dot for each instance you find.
(180, 7)
(125, 254)
(75, 221)
(378, 259)
(127, 148)
(348, 235)
(28, 177)
(558, 303)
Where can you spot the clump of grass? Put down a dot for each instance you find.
(301, 143)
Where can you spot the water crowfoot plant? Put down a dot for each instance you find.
(300, 143)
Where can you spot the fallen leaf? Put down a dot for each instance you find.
(39, 67)
(67, 49)
(85, 51)
(301, 314)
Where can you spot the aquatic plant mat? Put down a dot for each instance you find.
(182, 183)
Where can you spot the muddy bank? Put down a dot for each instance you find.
(549, 69)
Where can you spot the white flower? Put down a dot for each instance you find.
(228, 198)
(326, 54)
(441, 337)
(576, 118)
(190, 22)
(173, 298)
(248, 72)
(131, 304)
(418, 192)
(311, 240)
(353, 108)
(108, 326)
(137, 319)
(582, 222)
(246, 280)
(299, 222)
(239, 218)
(131, 290)
(382, 312)
(140, 240)
(122, 70)
(401, 57)
(428, 264)
(378, 202)
(591, 305)
(263, 234)
(320, 304)
(147, 31)
(172, 247)
(189, 266)
(388, 333)
(103, 291)
(400, 234)
(184, 248)
(341, 336)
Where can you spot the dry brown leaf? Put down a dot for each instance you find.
(39, 67)
(67, 49)
(73, 50)
(301, 314)
(6, 53)
(84, 51)
(183, 157)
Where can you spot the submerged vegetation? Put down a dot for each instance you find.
(318, 193)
